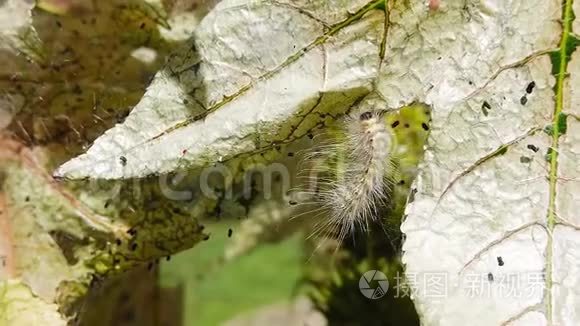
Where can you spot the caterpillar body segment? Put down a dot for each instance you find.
(351, 177)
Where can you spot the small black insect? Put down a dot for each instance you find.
(490, 277)
(123, 160)
(365, 116)
(524, 100)
(530, 87)
(499, 261)
(292, 202)
(230, 232)
(290, 154)
(534, 148)
(395, 124)
(425, 126)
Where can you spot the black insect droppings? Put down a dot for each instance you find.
(206, 238)
(133, 247)
(524, 100)
(27, 199)
(485, 107)
(310, 136)
(292, 202)
(499, 261)
(425, 126)
(123, 160)
(230, 231)
(395, 124)
(402, 182)
(530, 87)
(490, 277)
(290, 154)
(407, 125)
(168, 258)
(534, 148)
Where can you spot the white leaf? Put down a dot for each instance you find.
(492, 227)
(254, 69)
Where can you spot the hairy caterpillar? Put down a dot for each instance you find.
(351, 177)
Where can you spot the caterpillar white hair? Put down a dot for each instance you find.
(351, 178)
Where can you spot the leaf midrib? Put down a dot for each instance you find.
(551, 218)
